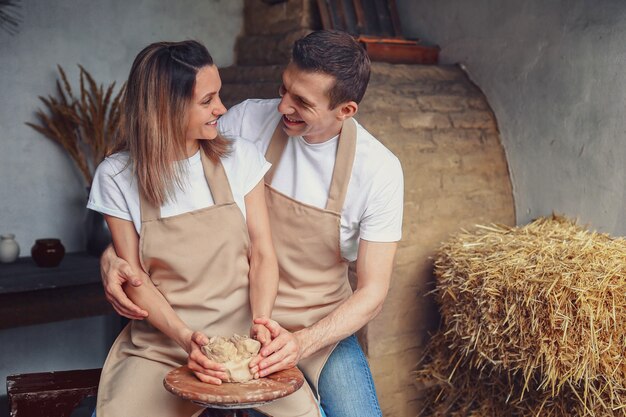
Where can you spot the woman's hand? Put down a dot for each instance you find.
(204, 369)
(263, 335)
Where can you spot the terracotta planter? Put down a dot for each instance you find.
(47, 253)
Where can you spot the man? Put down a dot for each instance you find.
(335, 195)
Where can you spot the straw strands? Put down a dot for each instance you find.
(536, 313)
(452, 387)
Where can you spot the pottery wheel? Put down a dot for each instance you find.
(182, 382)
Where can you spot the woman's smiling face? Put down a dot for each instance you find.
(205, 106)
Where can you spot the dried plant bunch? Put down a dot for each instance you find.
(85, 126)
(545, 302)
(10, 18)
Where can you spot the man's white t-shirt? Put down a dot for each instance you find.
(374, 202)
(114, 190)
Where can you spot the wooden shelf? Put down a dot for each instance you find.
(33, 295)
(50, 393)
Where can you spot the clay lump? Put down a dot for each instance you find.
(235, 353)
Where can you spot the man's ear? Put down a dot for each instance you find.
(347, 110)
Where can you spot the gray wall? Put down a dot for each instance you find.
(553, 71)
(41, 194)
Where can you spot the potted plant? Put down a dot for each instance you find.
(86, 128)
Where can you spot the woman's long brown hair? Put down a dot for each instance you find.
(154, 115)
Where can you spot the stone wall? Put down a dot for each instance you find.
(270, 30)
(456, 175)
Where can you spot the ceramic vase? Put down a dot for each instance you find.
(47, 253)
(9, 249)
(97, 233)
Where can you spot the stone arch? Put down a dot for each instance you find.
(442, 129)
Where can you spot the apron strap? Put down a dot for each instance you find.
(275, 151)
(344, 161)
(148, 211)
(218, 185)
(217, 180)
(343, 167)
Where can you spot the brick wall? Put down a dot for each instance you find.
(440, 126)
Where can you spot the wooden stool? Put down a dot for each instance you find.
(50, 394)
(56, 394)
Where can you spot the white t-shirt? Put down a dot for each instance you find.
(373, 207)
(114, 190)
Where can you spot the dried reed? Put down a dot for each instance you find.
(545, 303)
(86, 127)
(10, 18)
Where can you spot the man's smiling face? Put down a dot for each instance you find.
(305, 105)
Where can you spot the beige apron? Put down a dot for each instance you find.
(313, 275)
(199, 262)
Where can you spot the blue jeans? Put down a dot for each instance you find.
(346, 386)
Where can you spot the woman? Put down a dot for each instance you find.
(186, 209)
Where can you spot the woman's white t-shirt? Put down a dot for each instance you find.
(374, 201)
(114, 190)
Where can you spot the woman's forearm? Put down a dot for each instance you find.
(160, 313)
(263, 283)
(263, 274)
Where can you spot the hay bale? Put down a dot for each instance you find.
(546, 301)
(450, 386)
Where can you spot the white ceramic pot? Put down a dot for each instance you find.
(9, 249)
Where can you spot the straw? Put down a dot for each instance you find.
(543, 304)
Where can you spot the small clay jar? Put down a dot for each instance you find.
(47, 253)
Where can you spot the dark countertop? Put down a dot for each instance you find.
(25, 275)
(33, 295)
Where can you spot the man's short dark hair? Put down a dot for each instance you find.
(337, 54)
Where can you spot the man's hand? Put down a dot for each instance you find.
(283, 352)
(115, 272)
(205, 370)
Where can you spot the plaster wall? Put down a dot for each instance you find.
(553, 72)
(41, 193)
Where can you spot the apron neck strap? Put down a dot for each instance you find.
(344, 160)
(275, 151)
(216, 179)
(148, 210)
